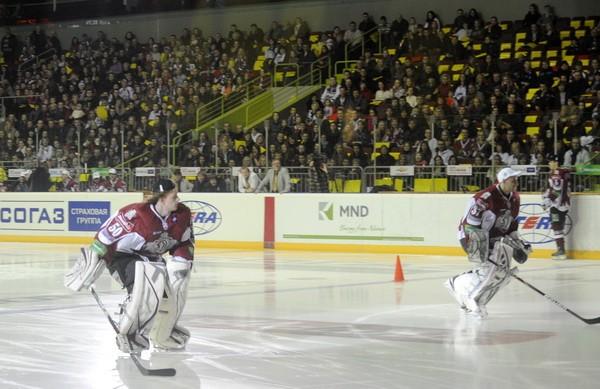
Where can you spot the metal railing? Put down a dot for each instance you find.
(37, 59)
(350, 46)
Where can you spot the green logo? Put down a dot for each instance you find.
(325, 211)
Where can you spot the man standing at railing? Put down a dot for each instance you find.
(277, 179)
(557, 198)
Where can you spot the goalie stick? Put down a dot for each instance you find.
(594, 320)
(169, 372)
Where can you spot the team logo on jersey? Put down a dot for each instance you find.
(535, 224)
(205, 217)
(130, 214)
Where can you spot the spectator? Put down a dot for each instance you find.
(277, 179)
(384, 158)
(67, 184)
(22, 184)
(532, 16)
(248, 181)
(114, 182)
(182, 185)
(318, 181)
(576, 155)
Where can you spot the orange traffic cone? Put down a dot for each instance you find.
(399, 273)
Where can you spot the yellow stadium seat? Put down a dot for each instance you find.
(374, 155)
(553, 63)
(531, 131)
(399, 184)
(504, 26)
(278, 76)
(294, 180)
(384, 181)
(402, 59)
(477, 46)
(585, 62)
(519, 36)
(446, 30)
(551, 53)
(590, 23)
(579, 33)
(332, 187)
(257, 65)
(535, 54)
(455, 76)
(431, 185)
(457, 67)
(391, 51)
(565, 43)
(564, 34)
(569, 59)
(290, 74)
(530, 93)
(535, 64)
(313, 38)
(505, 46)
(84, 177)
(352, 186)
(531, 118)
(472, 188)
(575, 23)
(395, 155)
(378, 145)
(443, 68)
(506, 55)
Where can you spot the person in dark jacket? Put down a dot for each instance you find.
(318, 181)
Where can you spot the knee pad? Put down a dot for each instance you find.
(141, 306)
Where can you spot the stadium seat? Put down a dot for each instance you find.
(424, 185)
(399, 184)
(352, 186)
(531, 131)
(531, 118)
(384, 181)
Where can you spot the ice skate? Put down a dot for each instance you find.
(559, 255)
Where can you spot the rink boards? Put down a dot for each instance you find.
(391, 223)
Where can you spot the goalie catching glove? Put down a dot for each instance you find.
(521, 249)
(87, 268)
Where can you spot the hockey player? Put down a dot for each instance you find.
(556, 198)
(98, 183)
(488, 234)
(68, 183)
(114, 182)
(131, 245)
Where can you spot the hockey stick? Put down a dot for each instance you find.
(595, 320)
(169, 372)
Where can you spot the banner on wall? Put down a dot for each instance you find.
(50, 213)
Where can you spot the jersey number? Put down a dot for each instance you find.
(115, 230)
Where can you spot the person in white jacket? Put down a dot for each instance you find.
(247, 180)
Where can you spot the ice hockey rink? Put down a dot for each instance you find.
(305, 320)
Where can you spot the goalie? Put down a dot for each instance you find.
(488, 233)
(131, 244)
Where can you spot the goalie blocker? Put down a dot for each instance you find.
(131, 245)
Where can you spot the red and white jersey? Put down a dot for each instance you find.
(70, 185)
(557, 195)
(116, 185)
(139, 228)
(99, 185)
(492, 210)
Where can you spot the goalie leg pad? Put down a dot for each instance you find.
(479, 285)
(165, 333)
(141, 305)
(85, 271)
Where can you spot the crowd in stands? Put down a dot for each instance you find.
(438, 94)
